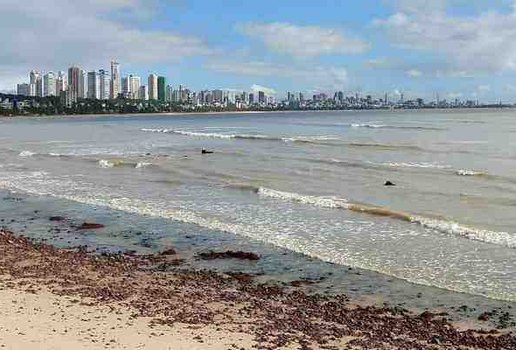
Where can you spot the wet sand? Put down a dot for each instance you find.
(74, 298)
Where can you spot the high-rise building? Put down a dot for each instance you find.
(144, 93)
(74, 82)
(104, 85)
(153, 87)
(49, 84)
(83, 84)
(134, 82)
(37, 81)
(116, 80)
(125, 87)
(217, 95)
(93, 85)
(60, 83)
(161, 88)
(23, 89)
(251, 98)
(261, 97)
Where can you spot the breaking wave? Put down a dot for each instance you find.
(466, 172)
(441, 225)
(26, 154)
(400, 127)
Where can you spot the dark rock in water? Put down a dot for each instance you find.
(389, 183)
(169, 251)
(205, 151)
(484, 316)
(90, 226)
(56, 218)
(229, 255)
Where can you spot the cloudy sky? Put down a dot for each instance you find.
(457, 48)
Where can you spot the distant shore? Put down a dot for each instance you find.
(247, 112)
(116, 300)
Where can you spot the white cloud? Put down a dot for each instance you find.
(481, 43)
(414, 73)
(319, 77)
(303, 41)
(267, 90)
(51, 35)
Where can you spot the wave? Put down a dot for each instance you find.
(112, 163)
(294, 139)
(26, 154)
(400, 127)
(422, 165)
(384, 146)
(466, 172)
(505, 239)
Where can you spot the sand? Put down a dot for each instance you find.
(45, 321)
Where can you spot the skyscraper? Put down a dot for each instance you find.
(104, 85)
(60, 83)
(153, 87)
(93, 85)
(49, 84)
(161, 88)
(83, 84)
(116, 80)
(261, 97)
(23, 89)
(74, 81)
(126, 89)
(134, 86)
(144, 93)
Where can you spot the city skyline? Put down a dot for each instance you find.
(414, 47)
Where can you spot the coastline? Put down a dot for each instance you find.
(250, 112)
(154, 290)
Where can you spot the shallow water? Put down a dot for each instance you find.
(311, 183)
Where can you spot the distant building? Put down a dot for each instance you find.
(49, 84)
(74, 82)
(144, 93)
(125, 87)
(217, 95)
(261, 97)
(134, 83)
(161, 88)
(60, 83)
(93, 85)
(116, 81)
(23, 89)
(37, 82)
(104, 85)
(251, 98)
(153, 87)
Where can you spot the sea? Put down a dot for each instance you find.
(305, 189)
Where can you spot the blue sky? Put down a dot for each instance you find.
(457, 48)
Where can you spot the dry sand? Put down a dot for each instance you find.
(44, 321)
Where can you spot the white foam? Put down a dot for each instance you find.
(366, 125)
(416, 165)
(324, 202)
(466, 172)
(26, 154)
(141, 165)
(505, 239)
(103, 163)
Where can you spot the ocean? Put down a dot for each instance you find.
(310, 184)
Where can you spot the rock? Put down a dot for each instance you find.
(389, 183)
(484, 316)
(169, 251)
(229, 255)
(90, 226)
(56, 218)
(205, 151)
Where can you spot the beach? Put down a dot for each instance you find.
(55, 298)
(284, 237)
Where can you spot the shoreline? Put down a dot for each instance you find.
(248, 112)
(158, 290)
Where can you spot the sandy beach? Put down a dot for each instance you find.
(70, 298)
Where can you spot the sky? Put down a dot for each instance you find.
(455, 48)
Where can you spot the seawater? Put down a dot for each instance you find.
(309, 183)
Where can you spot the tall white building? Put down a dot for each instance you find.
(83, 84)
(49, 84)
(104, 85)
(116, 80)
(37, 81)
(93, 85)
(134, 82)
(153, 87)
